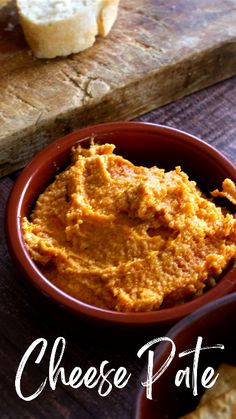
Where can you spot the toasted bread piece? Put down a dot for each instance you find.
(225, 382)
(222, 407)
(61, 27)
(218, 401)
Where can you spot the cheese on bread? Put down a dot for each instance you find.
(61, 27)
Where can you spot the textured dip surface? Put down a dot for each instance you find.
(126, 237)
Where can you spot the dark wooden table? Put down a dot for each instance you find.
(209, 114)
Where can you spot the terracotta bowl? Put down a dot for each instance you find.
(215, 323)
(142, 143)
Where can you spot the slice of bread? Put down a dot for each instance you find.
(225, 382)
(218, 401)
(222, 407)
(60, 27)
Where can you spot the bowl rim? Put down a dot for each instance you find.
(26, 265)
(173, 332)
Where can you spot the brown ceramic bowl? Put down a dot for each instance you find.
(215, 323)
(145, 144)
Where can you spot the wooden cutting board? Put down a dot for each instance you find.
(157, 52)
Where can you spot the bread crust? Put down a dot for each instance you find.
(222, 407)
(70, 35)
(107, 16)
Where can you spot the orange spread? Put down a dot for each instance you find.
(128, 238)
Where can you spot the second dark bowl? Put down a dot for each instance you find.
(215, 324)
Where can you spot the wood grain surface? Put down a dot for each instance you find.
(209, 114)
(158, 51)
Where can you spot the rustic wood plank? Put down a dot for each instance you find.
(209, 114)
(158, 51)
